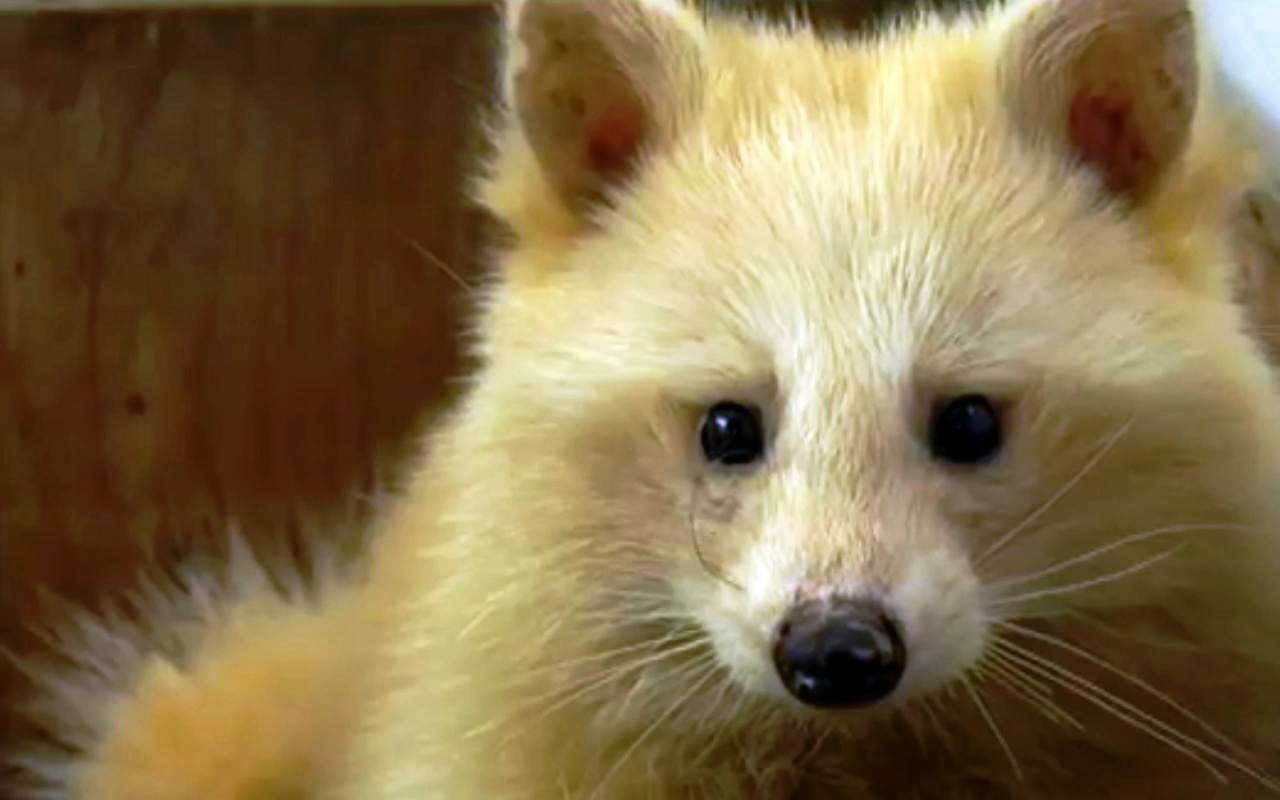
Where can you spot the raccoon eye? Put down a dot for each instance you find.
(966, 430)
(732, 434)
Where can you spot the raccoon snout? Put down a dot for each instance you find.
(839, 654)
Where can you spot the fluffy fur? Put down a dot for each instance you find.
(567, 601)
(157, 695)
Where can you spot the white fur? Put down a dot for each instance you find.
(93, 659)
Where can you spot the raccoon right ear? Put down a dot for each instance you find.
(594, 86)
(1113, 82)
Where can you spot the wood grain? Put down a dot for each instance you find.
(213, 292)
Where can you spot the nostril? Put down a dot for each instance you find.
(840, 654)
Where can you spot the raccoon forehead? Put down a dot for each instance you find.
(770, 249)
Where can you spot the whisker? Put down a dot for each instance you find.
(976, 696)
(1109, 547)
(994, 661)
(1124, 711)
(1133, 680)
(1109, 577)
(1030, 691)
(594, 681)
(703, 663)
(615, 652)
(639, 596)
(491, 604)
(696, 537)
(707, 752)
(649, 731)
(632, 617)
(820, 741)
(1099, 699)
(1053, 499)
(722, 699)
(932, 708)
(1094, 622)
(439, 264)
(915, 722)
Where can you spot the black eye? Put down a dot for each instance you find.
(732, 434)
(966, 430)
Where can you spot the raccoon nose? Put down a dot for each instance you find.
(839, 654)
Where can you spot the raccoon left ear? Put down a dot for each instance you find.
(594, 85)
(1113, 83)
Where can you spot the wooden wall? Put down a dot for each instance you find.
(215, 293)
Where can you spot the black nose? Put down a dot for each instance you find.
(839, 654)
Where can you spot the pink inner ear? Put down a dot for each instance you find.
(1104, 132)
(613, 139)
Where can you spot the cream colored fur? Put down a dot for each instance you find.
(567, 602)
(202, 683)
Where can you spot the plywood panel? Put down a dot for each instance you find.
(213, 293)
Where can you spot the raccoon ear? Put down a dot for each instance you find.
(595, 85)
(1114, 82)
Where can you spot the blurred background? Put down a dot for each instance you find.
(232, 260)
